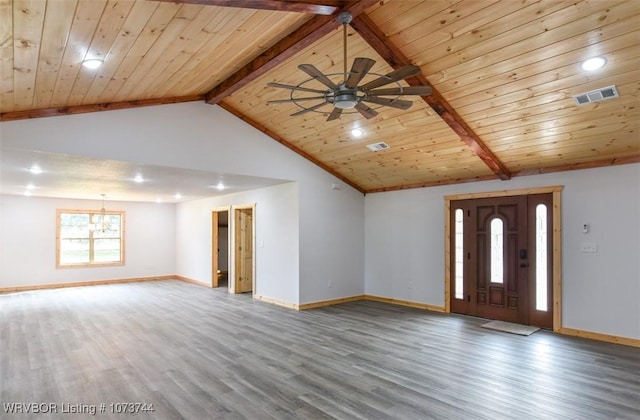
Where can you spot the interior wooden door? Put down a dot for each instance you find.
(501, 261)
(215, 248)
(243, 250)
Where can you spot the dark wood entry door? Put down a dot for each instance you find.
(499, 249)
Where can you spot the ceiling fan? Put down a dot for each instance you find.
(348, 94)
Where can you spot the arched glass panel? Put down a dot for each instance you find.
(497, 251)
(459, 247)
(541, 257)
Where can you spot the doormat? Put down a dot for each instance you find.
(510, 327)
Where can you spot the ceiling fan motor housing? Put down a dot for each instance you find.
(345, 98)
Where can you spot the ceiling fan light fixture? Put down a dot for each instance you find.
(345, 101)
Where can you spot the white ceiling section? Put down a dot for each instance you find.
(66, 176)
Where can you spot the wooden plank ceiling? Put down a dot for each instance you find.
(503, 75)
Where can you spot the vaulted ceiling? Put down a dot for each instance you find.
(503, 76)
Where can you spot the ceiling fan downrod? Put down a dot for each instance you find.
(344, 18)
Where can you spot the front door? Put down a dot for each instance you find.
(501, 259)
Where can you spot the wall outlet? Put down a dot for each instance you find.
(588, 247)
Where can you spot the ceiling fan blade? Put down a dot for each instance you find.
(282, 101)
(312, 71)
(411, 90)
(366, 112)
(394, 103)
(394, 76)
(359, 70)
(304, 111)
(335, 114)
(291, 87)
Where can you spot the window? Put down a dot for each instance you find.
(541, 257)
(89, 238)
(459, 265)
(497, 251)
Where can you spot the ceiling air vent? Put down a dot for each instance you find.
(378, 146)
(596, 95)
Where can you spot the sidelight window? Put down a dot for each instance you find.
(459, 252)
(541, 257)
(497, 251)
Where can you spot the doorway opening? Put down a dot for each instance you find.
(220, 247)
(244, 249)
(503, 256)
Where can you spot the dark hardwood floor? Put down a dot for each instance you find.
(198, 353)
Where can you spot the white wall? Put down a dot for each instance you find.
(204, 137)
(404, 245)
(277, 239)
(28, 241)
(402, 232)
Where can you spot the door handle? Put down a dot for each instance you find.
(524, 265)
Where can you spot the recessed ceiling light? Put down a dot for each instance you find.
(220, 186)
(178, 196)
(138, 179)
(92, 63)
(27, 193)
(594, 63)
(356, 132)
(35, 169)
(158, 200)
(30, 186)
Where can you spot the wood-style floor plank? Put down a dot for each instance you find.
(198, 353)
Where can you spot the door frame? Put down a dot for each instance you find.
(557, 242)
(215, 256)
(232, 275)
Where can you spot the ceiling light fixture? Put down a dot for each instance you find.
(220, 186)
(35, 169)
(138, 179)
(594, 63)
(178, 196)
(92, 63)
(356, 132)
(102, 224)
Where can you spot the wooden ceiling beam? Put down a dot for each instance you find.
(82, 109)
(290, 45)
(602, 163)
(396, 59)
(316, 7)
(582, 165)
